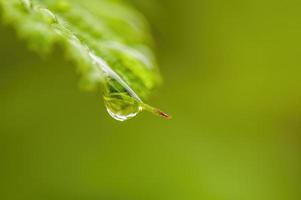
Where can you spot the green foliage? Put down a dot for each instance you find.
(111, 30)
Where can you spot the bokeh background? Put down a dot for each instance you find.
(232, 83)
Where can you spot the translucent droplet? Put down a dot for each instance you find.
(48, 16)
(120, 99)
(121, 107)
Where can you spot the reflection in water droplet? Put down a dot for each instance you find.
(121, 106)
(121, 101)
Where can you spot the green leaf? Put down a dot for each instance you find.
(108, 40)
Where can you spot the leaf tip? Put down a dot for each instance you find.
(163, 114)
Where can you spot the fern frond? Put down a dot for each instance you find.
(108, 40)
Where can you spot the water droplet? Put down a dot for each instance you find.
(48, 16)
(121, 101)
(121, 106)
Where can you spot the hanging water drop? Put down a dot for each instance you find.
(120, 99)
(121, 107)
(119, 102)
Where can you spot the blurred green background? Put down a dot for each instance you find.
(232, 83)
